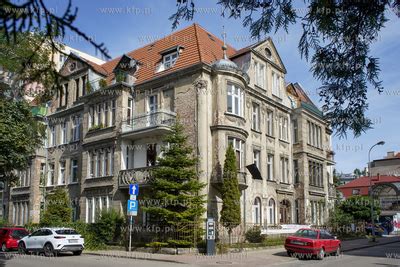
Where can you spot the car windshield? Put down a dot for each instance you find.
(306, 233)
(20, 233)
(66, 232)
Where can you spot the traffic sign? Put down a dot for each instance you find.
(132, 207)
(133, 189)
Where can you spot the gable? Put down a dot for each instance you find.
(72, 65)
(268, 50)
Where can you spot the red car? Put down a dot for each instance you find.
(9, 237)
(312, 242)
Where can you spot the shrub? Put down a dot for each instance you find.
(58, 209)
(102, 83)
(109, 226)
(253, 235)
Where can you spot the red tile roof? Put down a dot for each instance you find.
(198, 46)
(364, 181)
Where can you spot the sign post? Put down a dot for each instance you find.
(210, 231)
(132, 209)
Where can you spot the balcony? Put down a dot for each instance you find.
(332, 191)
(139, 176)
(217, 180)
(156, 123)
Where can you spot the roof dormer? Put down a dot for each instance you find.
(169, 57)
(125, 70)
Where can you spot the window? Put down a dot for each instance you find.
(66, 94)
(113, 107)
(127, 158)
(91, 163)
(98, 163)
(106, 162)
(52, 136)
(276, 85)
(76, 128)
(95, 205)
(271, 211)
(257, 211)
(61, 178)
(235, 100)
(256, 117)
(270, 123)
(106, 115)
(50, 175)
(112, 161)
(77, 89)
(64, 132)
(42, 173)
(295, 133)
(314, 134)
(99, 119)
(74, 171)
(238, 147)
(256, 158)
(284, 164)
(315, 172)
(151, 154)
(60, 96)
(270, 167)
(296, 171)
(91, 116)
(259, 72)
(169, 60)
(283, 129)
(152, 104)
(84, 79)
(355, 192)
(297, 211)
(129, 111)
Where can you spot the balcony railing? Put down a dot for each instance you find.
(139, 176)
(218, 180)
(156, 119)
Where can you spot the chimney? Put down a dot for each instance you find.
(390, 154)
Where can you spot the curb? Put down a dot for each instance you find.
(132, 257)
(369, 246)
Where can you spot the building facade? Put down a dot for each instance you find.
(106, 128)
(389, 165)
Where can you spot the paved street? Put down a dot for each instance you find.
(383, 255)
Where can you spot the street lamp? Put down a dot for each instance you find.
(381, 143)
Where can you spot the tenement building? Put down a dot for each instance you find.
(106, 128)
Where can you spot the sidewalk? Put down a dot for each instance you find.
(252, 258)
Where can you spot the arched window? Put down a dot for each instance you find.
(257, 211)
(271, 208)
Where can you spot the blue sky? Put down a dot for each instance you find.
(135, 23)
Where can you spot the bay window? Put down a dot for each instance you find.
(235, 100)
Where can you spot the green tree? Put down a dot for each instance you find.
(336, 38)
(176, 186)
(20, 135)
(27, 61)
(30, 15)
(58, 209)
(359, 207)
(230, 213)
(358, 173)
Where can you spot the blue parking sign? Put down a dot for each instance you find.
(134, 189)
(132, 206)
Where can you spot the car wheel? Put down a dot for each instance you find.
(321, 254)
(21, 248)
(337, 252)
(4, 247)
(49, 250)
(290, 253)
(77, 253)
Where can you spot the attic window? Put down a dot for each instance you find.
(170, 59)
(210, 36)
(268, 53)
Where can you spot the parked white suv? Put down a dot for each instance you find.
(51, 241)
